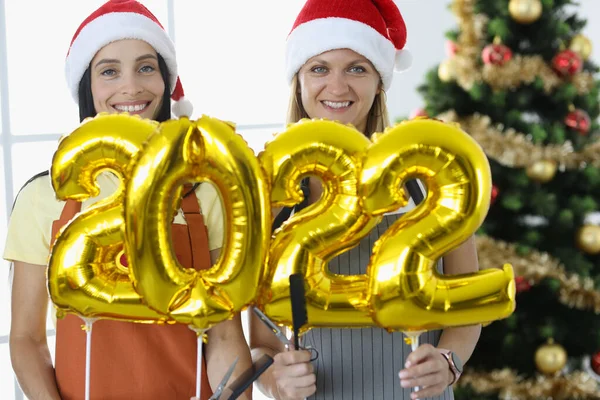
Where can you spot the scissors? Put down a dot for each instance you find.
(281, 336)
(217, 393)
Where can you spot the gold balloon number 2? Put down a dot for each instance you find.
(83, 274)
(362, 180)
(405, 290)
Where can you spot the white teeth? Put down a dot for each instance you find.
(337, 104)
(138, 107)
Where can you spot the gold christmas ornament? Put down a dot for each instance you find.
(581, 45)
(525, 11)
(588, 239)
(447, 71)
(542, 171)
(550, 357)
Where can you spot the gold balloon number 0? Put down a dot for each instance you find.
(184, 151)
(361, 180)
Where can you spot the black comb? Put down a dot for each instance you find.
(299, 315)
(286, 212)
(414, 190)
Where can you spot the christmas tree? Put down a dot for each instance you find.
(519, 80)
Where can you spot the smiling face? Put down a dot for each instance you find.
(339, 85)
(126, 78)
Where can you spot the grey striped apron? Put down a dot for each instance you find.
(362, 364)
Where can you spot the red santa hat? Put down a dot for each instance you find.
(117, 20)
(374, 29)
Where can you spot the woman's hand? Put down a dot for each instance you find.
(294, 375)
(428, 369)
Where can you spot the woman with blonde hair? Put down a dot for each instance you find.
(340, 60)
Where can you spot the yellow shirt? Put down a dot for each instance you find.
(36, 207)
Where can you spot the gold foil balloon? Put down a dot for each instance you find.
(184, 151)
(84, 273)
(406, 292)
(309, 239)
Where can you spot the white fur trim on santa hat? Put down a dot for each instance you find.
(403, 60)
(320, 35)
(109, 28)
(182, 108)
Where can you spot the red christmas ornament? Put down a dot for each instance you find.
(495, 193)
(522, 284)
(496, 54)
(451, 48)
(419, 112)
(567, 63)
(579, 120)
(596, 363)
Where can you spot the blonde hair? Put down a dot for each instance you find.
(377, 119)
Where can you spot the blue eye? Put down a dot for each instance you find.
(319, 70)
(358, 69)
(147, 69)
(109, 72)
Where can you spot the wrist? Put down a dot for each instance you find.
(455, 366)
(450, 378)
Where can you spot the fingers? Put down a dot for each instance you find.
(433, 379)
(427, 369)
(431, 366)
(296, 393)
(430, 391)
(302, 382)
(420, 354)
(292, 357)
(292, 387)
(294, 375)
(293, 371)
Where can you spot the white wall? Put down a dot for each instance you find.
(426, 41)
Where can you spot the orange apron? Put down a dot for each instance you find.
(135, 361)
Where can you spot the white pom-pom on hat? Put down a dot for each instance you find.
(403, 61)
(181, 107)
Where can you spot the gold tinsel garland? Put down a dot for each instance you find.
(520, 70)
(515, 150)
(469, 36)
(576, 385)
(575, 291)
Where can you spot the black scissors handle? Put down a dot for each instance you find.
(248, 377)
